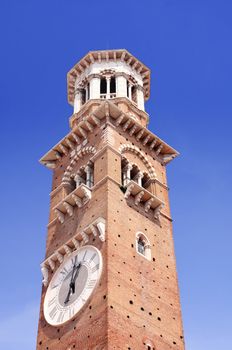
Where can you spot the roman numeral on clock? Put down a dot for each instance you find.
(95, 268)
(93, 256)
(53, 312)
(64, 271)
(51, 301)
(91, 284)
(71, 312)
(60, 316)
(84, 256)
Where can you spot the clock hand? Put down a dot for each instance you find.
(70, 285)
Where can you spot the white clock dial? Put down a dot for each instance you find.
(72, 285)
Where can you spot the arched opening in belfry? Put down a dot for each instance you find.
(83, 96)
(103, 86)
(135, 173)
(134, 93)
(112, 85)
(128, 87)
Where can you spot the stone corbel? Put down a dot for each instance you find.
(69, 208)
(58, 155)
(125, 126)
(129, 190)
(60, 257)
(119, 119)
(93, 230)
(50, 165)
(158, 150)
(67, 249)
(152, 145)
(84, 236)
(63, 148)
(77, 200)
(167, 157)
(148, 204)
(133, 129)
(44, 271)
(60, 215)
(76, 243)
(146, 140)
(140, 134)
(138, 197)
(70, 143)
(157, 211)
(51, 264)
(96, 120)
(87, 194)
(101, 228)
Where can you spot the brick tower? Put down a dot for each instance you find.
(109, 274)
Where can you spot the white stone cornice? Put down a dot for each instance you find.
(117, 118)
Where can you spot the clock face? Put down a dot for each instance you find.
(72, 285)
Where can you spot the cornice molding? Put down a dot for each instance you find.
(109, 111)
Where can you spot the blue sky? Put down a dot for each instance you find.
(187, 45)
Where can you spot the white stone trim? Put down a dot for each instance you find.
(78, 155)
(147, 245)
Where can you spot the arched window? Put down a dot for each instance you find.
(112, 85)
(85, 175)
(103, 88)
(83, 96)
(143, 246)
(134, 93)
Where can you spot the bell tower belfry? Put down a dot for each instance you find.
(109, 273)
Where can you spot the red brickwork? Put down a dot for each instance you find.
(136, 305)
